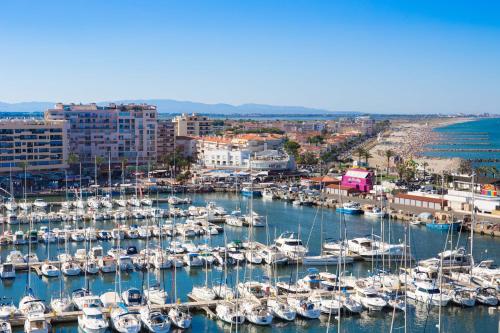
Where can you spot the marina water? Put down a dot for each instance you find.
(282, 216)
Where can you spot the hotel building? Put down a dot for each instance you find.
(193, 125)
(119, 131)
(37, 144)
(256, 151)
(166, 137)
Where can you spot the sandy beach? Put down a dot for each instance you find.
(408, 139)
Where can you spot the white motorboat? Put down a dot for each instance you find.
(427, 293)
(124, 321)
(82, 298)
(272, 256)
(369, 298)
(92, 320)
(326, 259)
(7, 271)
(153, 320)
(351, 305)
(132, 297)
(19, 238)
(146, 201)
(193, 259)
(487, 296)
(463, 297)
(255, 220)
(229, 312)
(40, 204)
(91, 266)
(107, 264)
(235, 221)
(50, 270)
(5, 327)
(36, 323)
(134, 202)
(15, 257)
(70, 268)
(180, 317)
(374, 212)
(304, 308)
(291, 245)
(253, 257)
(281, 310)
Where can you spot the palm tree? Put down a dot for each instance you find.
(388, 154)
(360, 151)
(425, 165)
(73, 160)
(99, 160)
(367, 156)
(491, 170)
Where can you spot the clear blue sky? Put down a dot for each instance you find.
(372, 56)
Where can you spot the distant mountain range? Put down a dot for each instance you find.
(173, 106)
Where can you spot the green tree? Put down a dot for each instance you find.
(424, 166)
(73, 160)
(292, 148)
(388, 155)
(307, 158)
(316, 140)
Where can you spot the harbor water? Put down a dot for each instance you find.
(314, 225)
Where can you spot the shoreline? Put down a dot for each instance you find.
(410, 139)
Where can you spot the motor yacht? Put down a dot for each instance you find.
(427, 293)
(92, 320)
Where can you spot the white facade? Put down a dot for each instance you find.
(263, 151)
(482, 203)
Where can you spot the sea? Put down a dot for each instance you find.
(314, 225)
(476, 134)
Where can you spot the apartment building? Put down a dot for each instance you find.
(193, 125)
(119, 131)
(38, 145)
(166, 137)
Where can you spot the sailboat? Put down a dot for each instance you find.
(123, 320)
(48, 269)
(153, 320)
(61, 303)
(29, 304)
(154, 294)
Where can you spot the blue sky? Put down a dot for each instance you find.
(369, 56)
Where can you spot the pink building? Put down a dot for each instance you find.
(360, 179)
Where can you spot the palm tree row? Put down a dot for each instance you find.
(362, 153)
(487, 170)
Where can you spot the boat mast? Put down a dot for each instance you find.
(473, 224)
